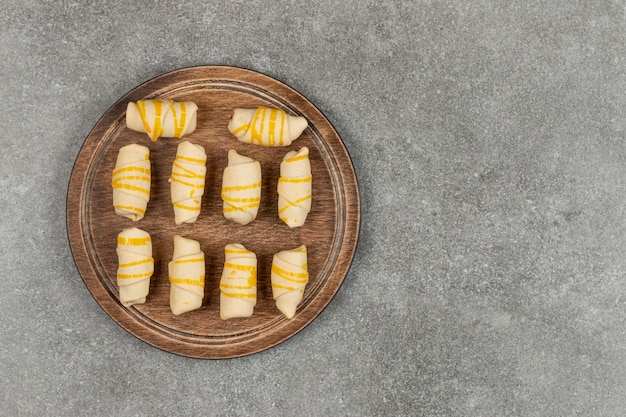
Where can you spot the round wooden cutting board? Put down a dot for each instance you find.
(330, 232)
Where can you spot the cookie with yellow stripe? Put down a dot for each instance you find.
(238, 287)
(186, 276)
(266, 126)
(135, 265)
(289, 278)
(187, 182)
(241, 188)
(295, 188)
(162, 118)
(130, 180)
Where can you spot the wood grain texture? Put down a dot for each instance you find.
(330, 232)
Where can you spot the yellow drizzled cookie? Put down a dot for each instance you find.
(238, 283)
(135, 266)
(162, 118)
(289, 278)
(187, 182)
(186, 276)
(266, 126)
(131, 181)
(241, 188)
(294, 188)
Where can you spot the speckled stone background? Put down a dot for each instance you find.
(488, 140)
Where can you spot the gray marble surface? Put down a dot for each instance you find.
(488, 140)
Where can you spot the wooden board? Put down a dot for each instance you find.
(330, 232)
